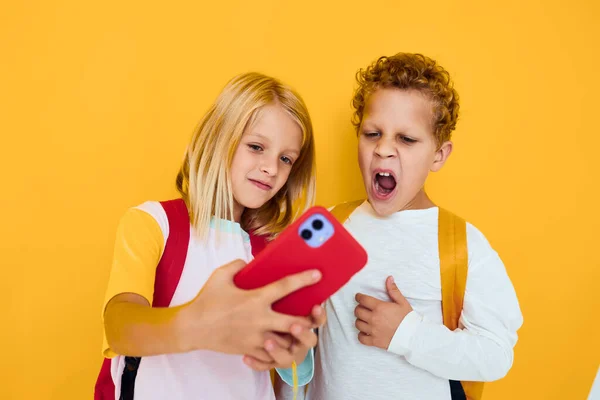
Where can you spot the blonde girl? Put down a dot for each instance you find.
(250, 167)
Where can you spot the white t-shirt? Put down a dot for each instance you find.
(423, 355)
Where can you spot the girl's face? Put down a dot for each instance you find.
(263, 160)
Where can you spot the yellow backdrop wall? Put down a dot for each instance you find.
(98, 100)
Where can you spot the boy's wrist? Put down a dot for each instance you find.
(400, 343)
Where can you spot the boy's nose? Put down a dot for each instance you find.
(384, 150)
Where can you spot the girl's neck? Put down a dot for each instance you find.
(238, 210)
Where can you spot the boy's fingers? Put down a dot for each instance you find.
(367, 301)
(281, 288)
(365, 339)
(362, 326)
(363, 313)
(393, 291)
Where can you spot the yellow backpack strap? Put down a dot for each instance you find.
(342, 211)
(454, 264)
(452, 241)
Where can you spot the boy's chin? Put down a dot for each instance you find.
(386, 207)
(383, 208)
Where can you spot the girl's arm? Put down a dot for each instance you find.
(134, 328)
(221, 317)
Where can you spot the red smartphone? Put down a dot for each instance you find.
(316, 240)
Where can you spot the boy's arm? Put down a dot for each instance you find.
(480, 350)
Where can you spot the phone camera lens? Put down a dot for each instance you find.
(306, 234)
(317, 224)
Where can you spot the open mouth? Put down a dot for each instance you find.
(384, 184)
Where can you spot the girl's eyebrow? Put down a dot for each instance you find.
(292, 152)
(260, 136)
(266, 139)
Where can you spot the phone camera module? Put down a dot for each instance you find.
(317, 224)
(306, 234)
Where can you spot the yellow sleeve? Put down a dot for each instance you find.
(138, 247)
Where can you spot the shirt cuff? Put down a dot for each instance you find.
(400, 343)
(305, 371)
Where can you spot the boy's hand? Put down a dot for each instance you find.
(302, 340)
(378, 320)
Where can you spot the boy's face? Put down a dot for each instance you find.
(397, 149)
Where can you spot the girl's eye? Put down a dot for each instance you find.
(255, 147)
(286, 160)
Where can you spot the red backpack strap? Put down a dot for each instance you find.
(170, 267)
(258, 242)
(105, 387)
(168, 273)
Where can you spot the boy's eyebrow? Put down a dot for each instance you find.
(374, 126)
(369, 124)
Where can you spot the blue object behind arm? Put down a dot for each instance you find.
(305, 371)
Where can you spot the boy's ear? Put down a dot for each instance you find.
(441, 155)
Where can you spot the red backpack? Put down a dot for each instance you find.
(168, 273)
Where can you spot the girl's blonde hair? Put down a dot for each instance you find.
(204, 179)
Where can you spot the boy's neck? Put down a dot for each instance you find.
(420, 202)
(424, 200)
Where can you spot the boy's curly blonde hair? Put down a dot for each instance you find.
(408, 71)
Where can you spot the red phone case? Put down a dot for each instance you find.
(338, 259)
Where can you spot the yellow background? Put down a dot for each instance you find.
(98, 100)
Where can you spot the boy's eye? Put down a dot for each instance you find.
(371, 134)
(255, 147)
(408, 140)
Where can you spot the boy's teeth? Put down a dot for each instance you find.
(383, 173)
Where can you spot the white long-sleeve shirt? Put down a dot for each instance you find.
(423, 354)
